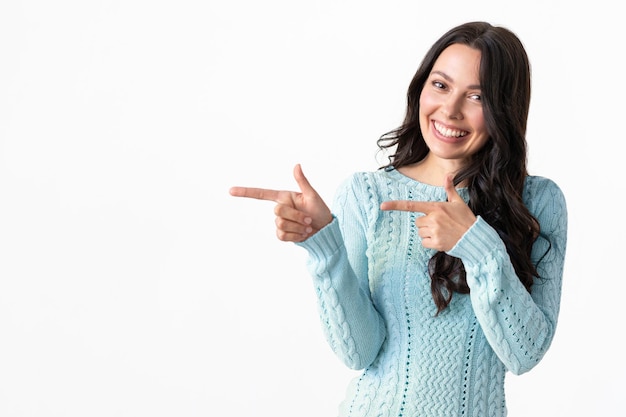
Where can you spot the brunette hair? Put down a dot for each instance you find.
(495, 175)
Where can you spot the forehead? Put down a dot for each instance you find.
(459, 62)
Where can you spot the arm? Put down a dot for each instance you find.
(519, 326)
(337, 261)
(353, 327)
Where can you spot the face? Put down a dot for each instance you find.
(451, 112)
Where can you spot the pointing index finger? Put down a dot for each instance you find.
(257, 193)
(406, 205)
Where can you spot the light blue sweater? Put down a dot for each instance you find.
(370, 274)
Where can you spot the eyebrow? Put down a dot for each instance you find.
(448, 78)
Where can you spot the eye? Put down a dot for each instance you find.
(439, 85)
(475, 97)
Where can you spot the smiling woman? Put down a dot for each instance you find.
(440, 272)
(133, 284)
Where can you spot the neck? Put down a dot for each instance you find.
(431, 170)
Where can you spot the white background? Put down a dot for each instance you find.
(132, 284)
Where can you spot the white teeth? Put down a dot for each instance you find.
(449, 132)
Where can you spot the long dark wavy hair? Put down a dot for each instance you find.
(495, 175)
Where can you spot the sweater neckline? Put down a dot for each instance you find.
(428, 189)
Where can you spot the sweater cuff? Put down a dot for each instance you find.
(325, 242)
(479, 240)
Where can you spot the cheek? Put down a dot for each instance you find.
(477, 120)
(479, 126)
(427, 102)
(427, 107)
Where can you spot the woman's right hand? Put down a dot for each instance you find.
(298, 214)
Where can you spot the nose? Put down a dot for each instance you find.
(451, 108)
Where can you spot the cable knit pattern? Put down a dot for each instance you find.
(370, 274)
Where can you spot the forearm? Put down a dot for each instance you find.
(518, 328)
(354, 329)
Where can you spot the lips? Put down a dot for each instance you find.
(448, 132)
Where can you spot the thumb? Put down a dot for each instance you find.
(302, 181)
(453, 195)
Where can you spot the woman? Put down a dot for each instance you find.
(441, 271)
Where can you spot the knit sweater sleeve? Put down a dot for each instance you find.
(518, 325)
(337, 262)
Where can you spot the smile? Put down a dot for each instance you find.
(450, 133)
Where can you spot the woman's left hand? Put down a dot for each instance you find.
(443, 223)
